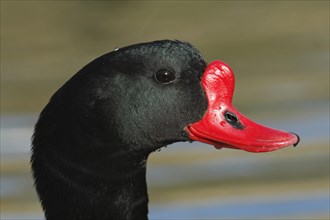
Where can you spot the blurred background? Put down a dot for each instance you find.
(279, 51)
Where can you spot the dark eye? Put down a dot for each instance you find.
(232, 119)
(164, 76)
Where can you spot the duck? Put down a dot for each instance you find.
(92, 140)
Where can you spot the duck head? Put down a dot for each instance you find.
(170, 94)
(148, 95)
(92, 139)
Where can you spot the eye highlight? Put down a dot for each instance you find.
(164, 76)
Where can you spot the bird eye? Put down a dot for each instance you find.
(232, 119)
(164, 76)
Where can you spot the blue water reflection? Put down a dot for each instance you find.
(259, 207)
(16, 132)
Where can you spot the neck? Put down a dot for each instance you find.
(109, 187)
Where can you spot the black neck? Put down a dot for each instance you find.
(111, 187)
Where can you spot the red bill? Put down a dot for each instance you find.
(224, 126)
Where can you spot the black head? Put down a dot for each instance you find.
(93, 137)
(155, 91)
(135, 98)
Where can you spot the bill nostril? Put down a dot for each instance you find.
(232, 119)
